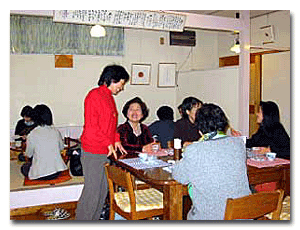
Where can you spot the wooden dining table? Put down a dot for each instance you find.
(174, 191)
(161, 179)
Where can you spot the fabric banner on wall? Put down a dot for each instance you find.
(40, 35)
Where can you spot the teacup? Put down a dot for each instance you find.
(151, 158)
(143, 156)
(18, 143)
(155, 147)
(271, 156)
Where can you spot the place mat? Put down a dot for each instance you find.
(263, 164)
(160, 153)
(137, 163)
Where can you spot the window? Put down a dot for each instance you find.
(40, 35)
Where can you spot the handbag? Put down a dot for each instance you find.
(75, 163)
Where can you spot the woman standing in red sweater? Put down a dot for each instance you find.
(99, 140)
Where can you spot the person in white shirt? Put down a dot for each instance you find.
(44, 145)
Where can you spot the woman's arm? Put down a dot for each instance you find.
(30, 143)
(184, 168)
(258, 139)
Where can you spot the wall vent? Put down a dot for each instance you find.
(185, 38)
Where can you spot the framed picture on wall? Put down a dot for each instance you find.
(166, 75)
(140, 74)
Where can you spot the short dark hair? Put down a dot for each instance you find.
(42, 115)
(211, 118)
(145, 110)
(188, 104)
(113, 74)
(26, 111)
(165, 113)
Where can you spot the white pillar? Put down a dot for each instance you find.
(244, 74)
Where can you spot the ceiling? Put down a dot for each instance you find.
(228, 13)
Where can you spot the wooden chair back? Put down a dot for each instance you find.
(255, 206)
(118, 177)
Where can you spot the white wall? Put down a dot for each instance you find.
(276, 84)
(276, 67)
(34, 79)
(217, 86)
(281, 23)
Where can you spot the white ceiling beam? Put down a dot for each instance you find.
(210, 22)
(48, 13)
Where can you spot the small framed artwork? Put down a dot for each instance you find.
(140, 74)
(63, 61)
(267, 34)
(166, 75)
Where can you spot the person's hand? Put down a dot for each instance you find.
(187, 143)
(119, 146)
(235, 133)
(24, 137)
(112, 151)
(148, 147)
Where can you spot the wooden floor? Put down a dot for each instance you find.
(38, 212)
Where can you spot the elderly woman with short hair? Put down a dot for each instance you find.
(135, 136)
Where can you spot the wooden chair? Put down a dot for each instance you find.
(255, 206)
(132, 204)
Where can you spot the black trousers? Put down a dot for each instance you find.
(25, 171)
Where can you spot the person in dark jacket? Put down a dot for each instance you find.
(185, 128)
(164, 127)
(25, 125)
(271, 132)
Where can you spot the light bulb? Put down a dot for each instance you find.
(236, 48)
(98, 31)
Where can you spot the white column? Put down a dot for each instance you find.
(244, 60)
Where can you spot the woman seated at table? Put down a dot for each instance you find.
(44, 145)
(214, 168)
(135, 136)
(164, 127)
(185, 128)
(271, 132)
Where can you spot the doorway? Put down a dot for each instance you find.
(255, 85)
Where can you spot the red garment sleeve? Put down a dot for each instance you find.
(100, 121)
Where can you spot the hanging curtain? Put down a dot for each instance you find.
(40, 35)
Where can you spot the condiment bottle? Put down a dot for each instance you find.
(177, 149)
(155, 145)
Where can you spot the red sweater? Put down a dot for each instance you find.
(100, 121)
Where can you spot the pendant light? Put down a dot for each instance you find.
(236, 47)
(97, 31)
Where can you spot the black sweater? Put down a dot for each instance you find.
(186, 131)
(278, 140)
(23, 129)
